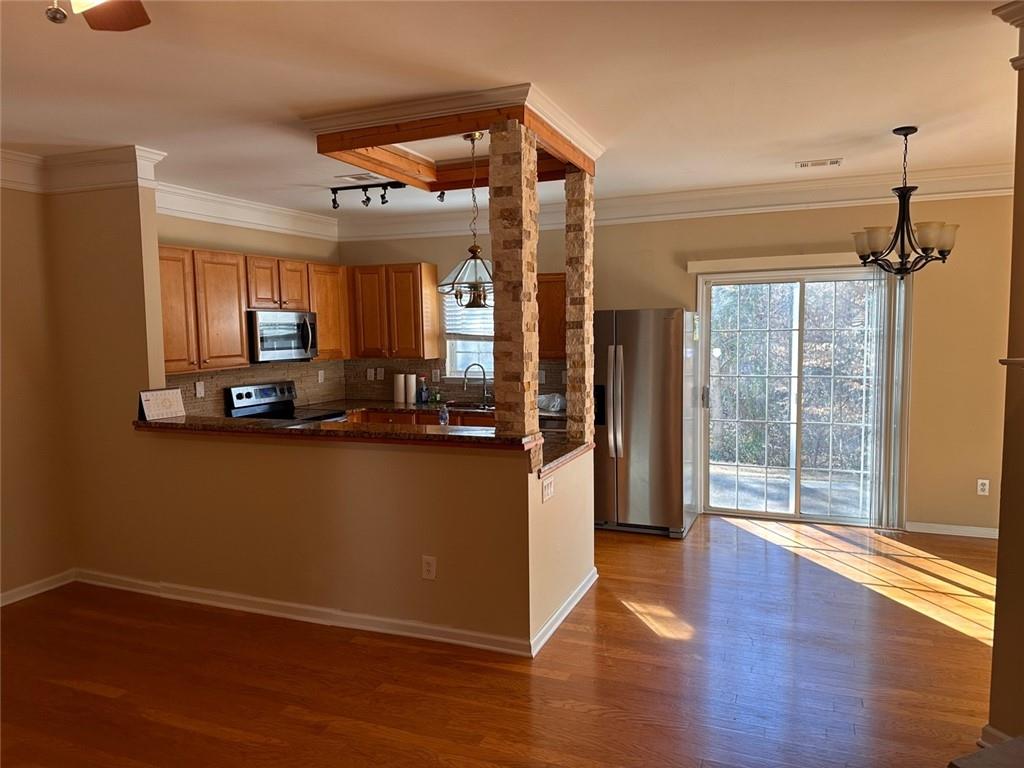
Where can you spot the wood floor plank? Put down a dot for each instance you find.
(752, 644)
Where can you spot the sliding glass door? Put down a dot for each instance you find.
(794, 394)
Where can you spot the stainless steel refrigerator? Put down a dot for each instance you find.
(646, 416)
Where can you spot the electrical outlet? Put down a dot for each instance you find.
(547, 489)
(200, 389)
(541, 377)
(380, 374)
(320, 377)
(435, 376)
(369, 374)
(429, 567)
(982, 486)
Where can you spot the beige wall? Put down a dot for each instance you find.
(36, 524)
(959, 318)
(174, 230)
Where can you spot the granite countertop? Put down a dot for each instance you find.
(557, 449)
(388, 405)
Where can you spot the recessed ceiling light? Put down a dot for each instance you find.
(829, 162)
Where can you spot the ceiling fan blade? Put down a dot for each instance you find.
(117, 16)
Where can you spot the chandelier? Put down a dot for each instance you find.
(471, 281)
(908, 247)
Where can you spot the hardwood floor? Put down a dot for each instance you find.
(732, 648)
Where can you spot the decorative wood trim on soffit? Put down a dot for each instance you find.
(90, 171)
(373, 138)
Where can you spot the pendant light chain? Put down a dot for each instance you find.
(472, 188)
(905, 149)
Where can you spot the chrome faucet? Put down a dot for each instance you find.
(483, 373)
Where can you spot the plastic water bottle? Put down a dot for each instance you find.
(442, 415)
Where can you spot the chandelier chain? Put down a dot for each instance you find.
(905, 147)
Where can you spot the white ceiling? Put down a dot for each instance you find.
(683, 95)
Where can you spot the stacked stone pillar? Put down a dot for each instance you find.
(513, 211)
(579, 305)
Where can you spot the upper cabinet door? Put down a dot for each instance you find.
(178, 305)
(405, 310)
(220, 303)
(369, 311)
(294, 281)
(328, 297)
(551, 315)
(264, 282)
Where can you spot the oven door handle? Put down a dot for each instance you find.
(309, 334)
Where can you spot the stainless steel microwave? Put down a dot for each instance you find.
(276, 335)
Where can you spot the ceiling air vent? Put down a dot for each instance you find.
(830, 162)
(360, 178)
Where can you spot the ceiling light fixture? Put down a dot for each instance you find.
(471, 281)
(56, 14)
(384, 186)
(384, 196)
(440, 196)
(913, 246)
(366, 198)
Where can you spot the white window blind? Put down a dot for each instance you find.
(470, 337)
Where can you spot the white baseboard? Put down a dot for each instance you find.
(990, 737)
(554, 621)
(311, 613)
(37, 587)
(954, 530)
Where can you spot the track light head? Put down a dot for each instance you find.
(366, 197)
(440, 196)
(384, 196)
(334, 200)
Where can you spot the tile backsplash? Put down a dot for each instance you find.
(357, 386)
(307, 387)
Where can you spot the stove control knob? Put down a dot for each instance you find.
(248, 395)
(239, 396)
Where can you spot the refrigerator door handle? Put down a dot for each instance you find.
(619, 400)
(609, 404)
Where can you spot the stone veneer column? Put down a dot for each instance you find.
(513, 219)
(579, 305)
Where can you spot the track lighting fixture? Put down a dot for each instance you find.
(384, 186)
(440, 196)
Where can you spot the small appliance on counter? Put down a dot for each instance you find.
(276, 335)
(275, 401)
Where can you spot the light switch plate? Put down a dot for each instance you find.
(429, 567)
(983, 486)
(320, 377)
(547, 489)
(435, 376)
(200, 389)
(541, 376)
(369, 374)
(380, 374)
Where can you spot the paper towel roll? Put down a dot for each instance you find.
(410, 388)
(399, 387)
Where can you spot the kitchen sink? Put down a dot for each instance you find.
(459, 405)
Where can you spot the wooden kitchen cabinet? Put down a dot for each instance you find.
(388, 417)
(395, 311)
(277, 283)
(551, 315)
(328, 297)
(474, 419)
(178, 306)
(369, 311)
(220, 309)
(428, 418)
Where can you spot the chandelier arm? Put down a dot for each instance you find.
(885, 265)
(921, 262)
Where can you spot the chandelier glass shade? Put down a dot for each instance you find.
(907, 247)
(471, 282)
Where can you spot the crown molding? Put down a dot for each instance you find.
(21, 171)
(472, 101)
(109, 168)
(938, 184)
(1011, 13)
(187, 203)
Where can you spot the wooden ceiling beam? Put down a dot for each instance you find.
(392, 163)
(459, 174)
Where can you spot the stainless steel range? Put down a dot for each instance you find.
(276, 401)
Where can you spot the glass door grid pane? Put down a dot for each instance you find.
(759, 444)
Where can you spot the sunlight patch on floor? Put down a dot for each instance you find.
(950, 593)
(660, 620)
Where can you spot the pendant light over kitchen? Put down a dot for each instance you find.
(471, 282)
(911, 246)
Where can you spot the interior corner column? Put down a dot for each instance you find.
(579, 305)
(513, 220)
(1006, 703)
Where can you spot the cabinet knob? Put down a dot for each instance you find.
(285, 301)
(206, 359)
